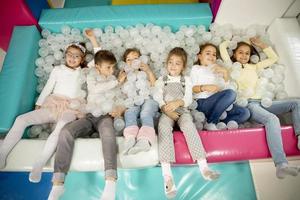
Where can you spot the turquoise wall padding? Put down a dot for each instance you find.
(80, 3)
(17, 79)
(173, 15)
(147, 184)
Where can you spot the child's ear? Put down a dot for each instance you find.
(199, 56)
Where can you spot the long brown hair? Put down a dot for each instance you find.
(83, 63)
(178, 51)
(202, 47)
(253, 51)
(128, 51)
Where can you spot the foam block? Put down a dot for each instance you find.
(173, 15)
(235, 145)
(17, 79)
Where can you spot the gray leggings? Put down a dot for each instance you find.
(82, 128)
(165, 138)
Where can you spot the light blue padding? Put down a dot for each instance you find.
(17, 79)
(80, 3)
(147, 184)
(173, 15)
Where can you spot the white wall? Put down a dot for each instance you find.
(293, 10)
(242, 13)
(285, 35)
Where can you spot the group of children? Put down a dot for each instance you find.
(62, 101)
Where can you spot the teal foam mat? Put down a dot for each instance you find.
(86, 3)
(173, 15)
(17, 79)
(147, 184)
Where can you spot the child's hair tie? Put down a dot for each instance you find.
(77, 44)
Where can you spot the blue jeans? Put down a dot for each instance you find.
(216, 104)
(267, 116)
(238, 114)
(146, 112)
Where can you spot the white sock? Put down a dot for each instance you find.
(284, 169)
(206, 172)
(128, 144)
(109, 191)
(298, 142)
(169, 184)
(56, 192)
(141, 145)
(36, 174)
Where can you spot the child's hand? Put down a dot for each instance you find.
(256, 41)
(122, 77)
(89, 33)
(144, 67)
(210, 88)
(37, 107)
(173, 115)
(171, 106)
(117, 111)
(217, 69)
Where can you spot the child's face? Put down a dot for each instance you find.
(208, 56)
(175, 65)
(242, 54)
(73, 57)
(131, 56)
(105, 68)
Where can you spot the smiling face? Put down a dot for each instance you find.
(242, 54)
(175, 65)
(74, 57)
(208, 55)
(105, 68)
(131, 57)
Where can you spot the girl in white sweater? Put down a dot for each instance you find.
(60, 102)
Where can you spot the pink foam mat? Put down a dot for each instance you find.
(235, 145)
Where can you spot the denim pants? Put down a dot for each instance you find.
(267, 116)
(216, 104)
(146, 112)
(238, 114)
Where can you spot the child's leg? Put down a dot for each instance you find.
(131, 127)
(216, 104)
(109, 149)
(169, 184)
(146, 135)
(64, 152)
(50, 146)
(288, 105)
(195, 145)
(238, 114)
(273, 132)
(39, 116)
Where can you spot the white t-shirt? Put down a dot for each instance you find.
(203, 75)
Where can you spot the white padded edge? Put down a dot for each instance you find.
(87, 156)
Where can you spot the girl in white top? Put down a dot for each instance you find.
(206, 77)
(61, 101)
(174, 95)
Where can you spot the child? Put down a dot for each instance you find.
(267, 116)
(105, 63)
(174, 95)
(137, 140)
(55, 104)
(211, 100)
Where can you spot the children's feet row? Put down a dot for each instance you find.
(131, 146)
(284, 169)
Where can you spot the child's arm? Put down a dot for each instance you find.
(223, 51)
(47, 90)
(221, 70)
(151, 77)
(271, 55)
(91, 36)
(158, 95)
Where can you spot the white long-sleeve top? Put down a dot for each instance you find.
(62, 81)
(159, 86)
(203, 75)
(91, 64)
